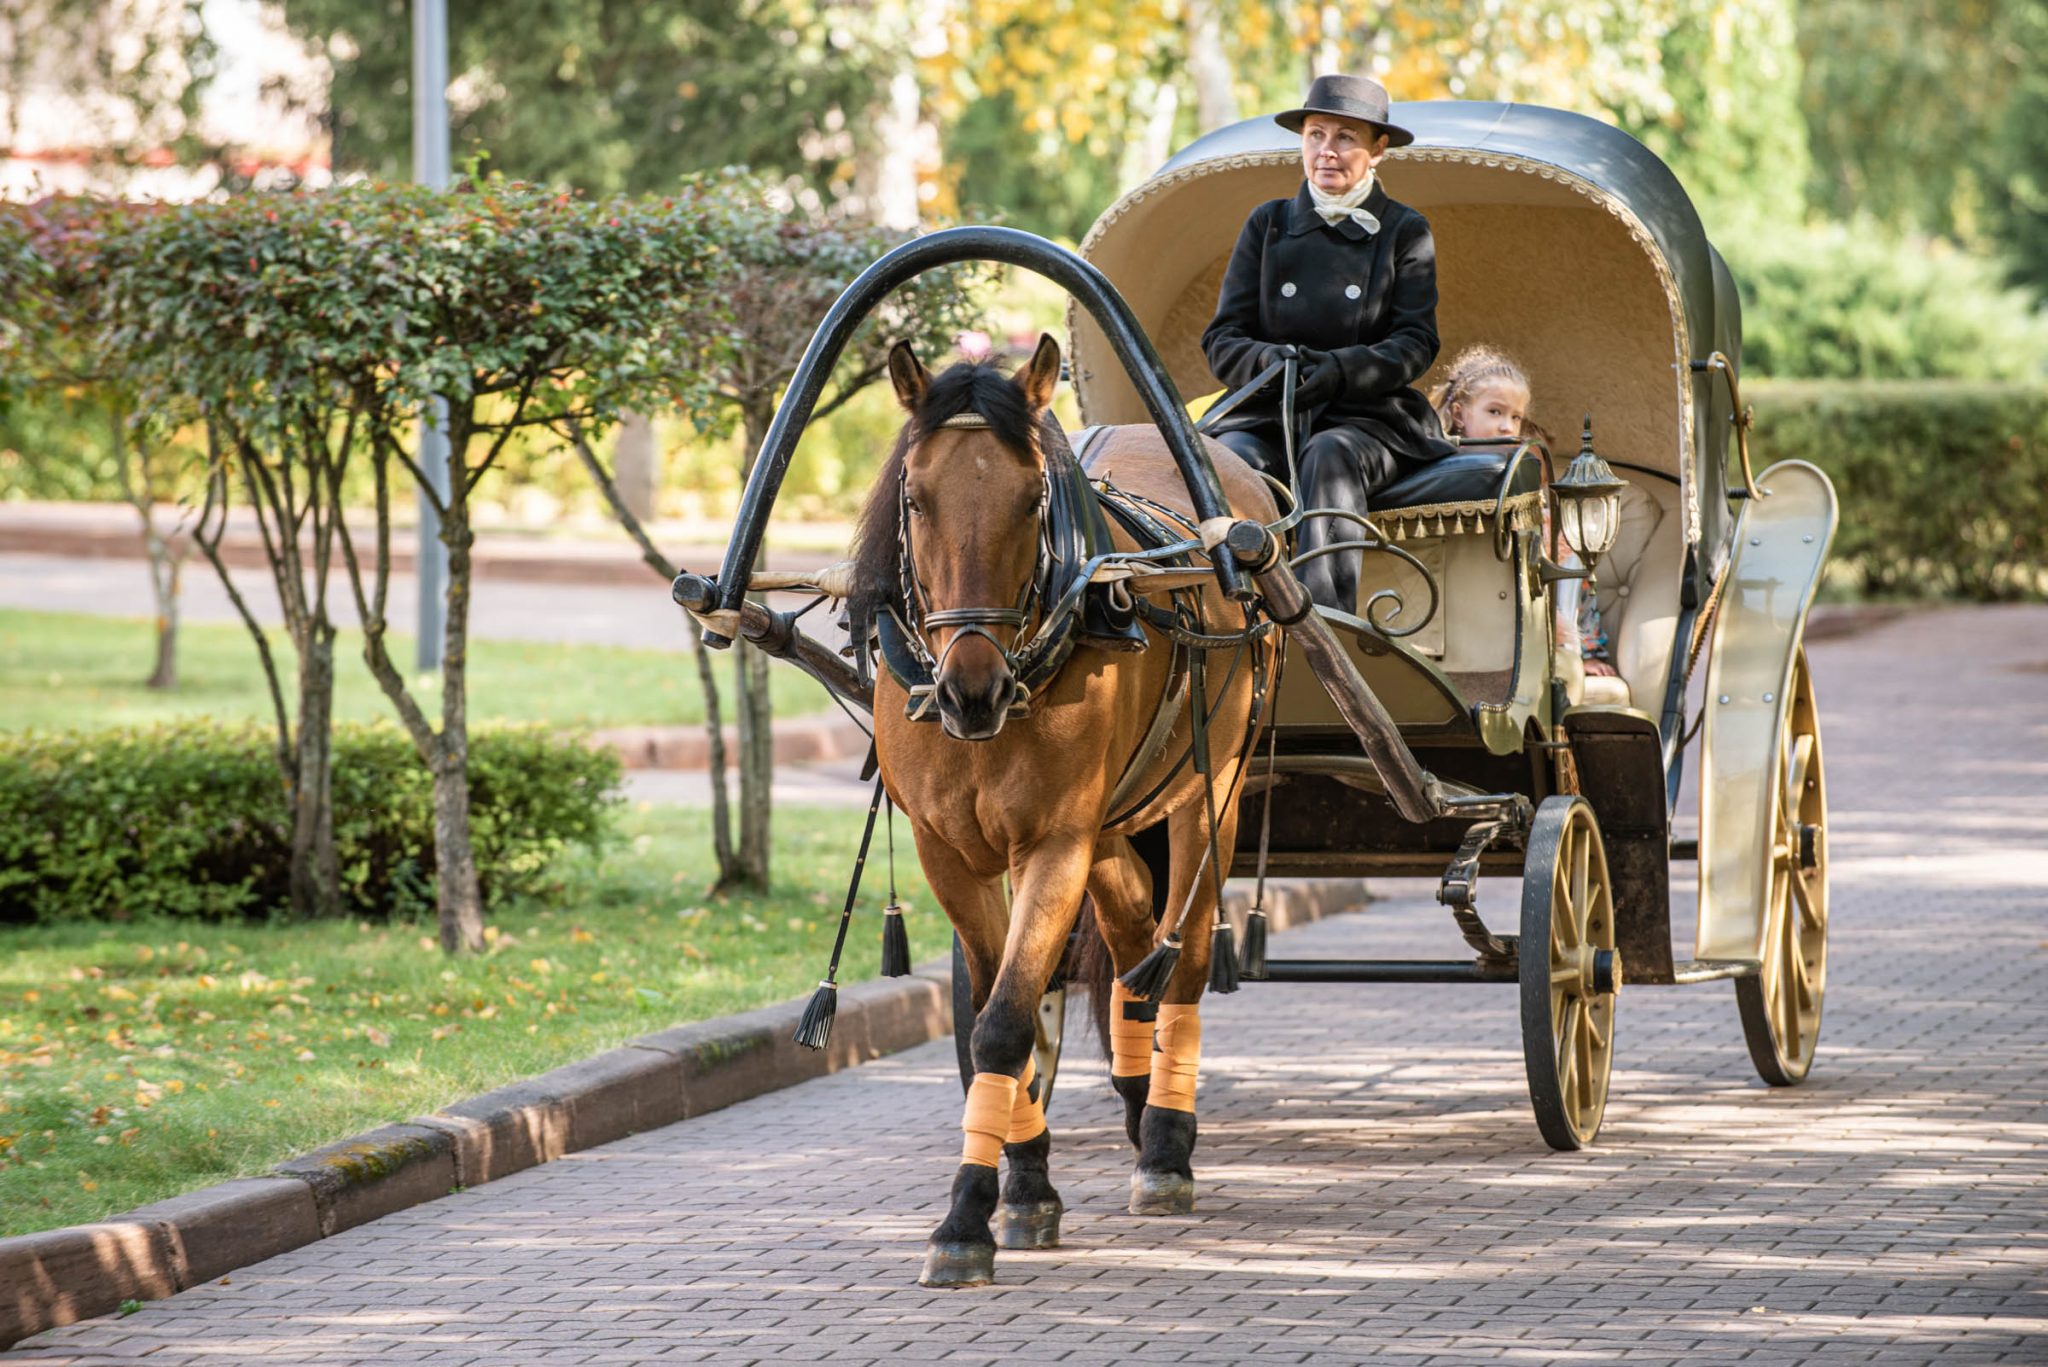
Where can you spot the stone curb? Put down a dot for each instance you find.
(797, 740)
(61, 1276)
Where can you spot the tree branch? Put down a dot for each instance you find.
(209, 546)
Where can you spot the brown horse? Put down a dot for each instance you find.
(960, 506)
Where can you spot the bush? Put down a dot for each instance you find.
(1847, 302)
(1944, 486)
(191, 819)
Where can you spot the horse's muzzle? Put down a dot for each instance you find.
(975, 711)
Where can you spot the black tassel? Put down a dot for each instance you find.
(1252, 964)
(895, 943)
(1222, 957)
(816, 1026)
(1149, 979)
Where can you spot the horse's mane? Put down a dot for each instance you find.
(977, 387)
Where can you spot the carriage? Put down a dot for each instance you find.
(1437, 729)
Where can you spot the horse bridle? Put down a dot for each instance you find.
(970, 621)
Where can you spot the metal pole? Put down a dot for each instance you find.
(430, 167)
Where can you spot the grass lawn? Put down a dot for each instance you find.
(140, 1061)
(63, 670)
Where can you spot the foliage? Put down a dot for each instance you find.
(1851, 303)
(141, 1061)
(609, 95)
(1944, 486)
(2018, 188)
(190, 820)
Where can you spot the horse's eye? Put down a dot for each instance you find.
(916, 510)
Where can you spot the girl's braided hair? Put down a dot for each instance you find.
(1472, 368)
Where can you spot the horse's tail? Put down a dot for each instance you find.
(1092, 969)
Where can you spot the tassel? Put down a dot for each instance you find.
(1222, 957)
(1252, 966)
(1149, 979)
(895, 943)
(816, 1026)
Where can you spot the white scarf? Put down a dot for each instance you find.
(1335, 207)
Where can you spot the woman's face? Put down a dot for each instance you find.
(1336, 153)
(1490, 411)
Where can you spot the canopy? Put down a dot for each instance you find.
(1560, 239)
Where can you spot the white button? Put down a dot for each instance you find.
(1352, 291)
(1623, 590)
(1287, 290)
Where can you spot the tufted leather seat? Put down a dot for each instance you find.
(1638, 590)
(1461, 477)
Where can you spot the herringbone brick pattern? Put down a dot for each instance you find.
(1372, 1187)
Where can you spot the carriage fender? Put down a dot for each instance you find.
(1780, 545)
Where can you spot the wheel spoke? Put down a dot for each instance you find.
(1809, 909)
(1588, 1081)
(1564, 977)
(1593, 1030)
(1582, 870)
(1568, 1041)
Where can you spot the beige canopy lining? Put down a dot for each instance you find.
(1530, 258)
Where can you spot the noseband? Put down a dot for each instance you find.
(970, 621)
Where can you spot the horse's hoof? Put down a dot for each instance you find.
(1162, 1193)
(1033, 1224)
(957, 1265)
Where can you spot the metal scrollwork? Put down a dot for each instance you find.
(1387, 604)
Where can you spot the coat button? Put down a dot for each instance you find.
(1352, 291)
(1287, 290)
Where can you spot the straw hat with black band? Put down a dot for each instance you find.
(1347, 97)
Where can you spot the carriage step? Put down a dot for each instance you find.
(1386, 971)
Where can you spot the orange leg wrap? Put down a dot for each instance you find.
(1179, 1058)
(1130, 1041)
(987, 1119)
(1027, 1117)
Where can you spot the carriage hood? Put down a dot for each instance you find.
(1559, 238)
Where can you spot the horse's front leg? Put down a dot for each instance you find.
(1002, 1116)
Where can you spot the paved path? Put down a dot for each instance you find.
(1373, 1189)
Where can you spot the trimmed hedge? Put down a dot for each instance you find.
(1944, 484)
(190, 820)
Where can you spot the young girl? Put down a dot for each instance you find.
(1485, 397)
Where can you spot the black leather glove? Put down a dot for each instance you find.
(1321, 379)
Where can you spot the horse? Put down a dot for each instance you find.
(950, 541)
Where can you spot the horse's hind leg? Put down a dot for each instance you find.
(1000, 1115)
(1121, 886)
(1164, 1182)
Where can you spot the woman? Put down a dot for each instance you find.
(1348, 277)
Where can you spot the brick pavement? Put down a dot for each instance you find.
(1372, 1187)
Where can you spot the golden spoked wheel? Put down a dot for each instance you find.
(1569, 970)
(1781, 1005)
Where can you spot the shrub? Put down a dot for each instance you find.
(191, 819)
(1847, 302)
(1944, 485)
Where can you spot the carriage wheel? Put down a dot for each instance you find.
(1570, 972)
(1781, 1005)
(1045, 1049)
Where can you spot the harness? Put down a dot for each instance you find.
(1074, 546)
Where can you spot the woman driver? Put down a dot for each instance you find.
(1349, 277)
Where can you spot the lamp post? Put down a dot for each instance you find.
(430, 167)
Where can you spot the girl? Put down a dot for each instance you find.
(1485, 397)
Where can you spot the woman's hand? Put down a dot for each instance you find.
(1321, 379)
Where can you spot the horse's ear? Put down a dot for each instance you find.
(1039, 376)
(909, 376)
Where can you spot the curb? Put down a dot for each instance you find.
(61, 1276)
(797, 740)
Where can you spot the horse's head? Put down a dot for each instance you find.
(970, 510)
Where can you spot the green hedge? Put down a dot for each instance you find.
(1944, 484)
(191, 820)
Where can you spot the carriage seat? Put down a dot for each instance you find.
(1461, 477)
(1638, 588)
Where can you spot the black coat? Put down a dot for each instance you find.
(1367, 298)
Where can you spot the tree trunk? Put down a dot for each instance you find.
(1209, 65)
(459, 898)
(636, 465)
(316, 871)
(755, 715)
(165, 675)
(164, 562)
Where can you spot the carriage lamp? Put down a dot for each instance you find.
(1589, 503)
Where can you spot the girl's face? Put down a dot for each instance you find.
(1336, 153)
(1490, 410)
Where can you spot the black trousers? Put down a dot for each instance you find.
(1339, 468)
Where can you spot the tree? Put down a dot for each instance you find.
(779, 269)
(610, 96)
(2018, 188)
